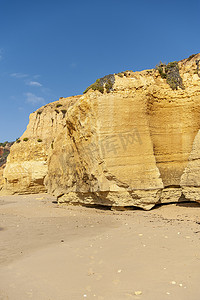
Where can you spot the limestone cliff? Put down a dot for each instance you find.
(133, 143)
(26, 166)
(1, 177)
(4, 152)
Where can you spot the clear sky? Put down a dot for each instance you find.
(57, 48)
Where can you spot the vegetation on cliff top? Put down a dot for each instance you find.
(170, 72)
(127, 73)
(191, 56)
(3, 144)
(6, 144)
(101, 84)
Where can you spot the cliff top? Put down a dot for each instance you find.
(172, 73)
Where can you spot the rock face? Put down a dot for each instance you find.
(137, 145)
(1, 177)
(190, 180)
(26, 166)
(4, 152)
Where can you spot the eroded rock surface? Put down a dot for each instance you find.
(4, 152)
(27, 166)
(137, 145)
(190, 180)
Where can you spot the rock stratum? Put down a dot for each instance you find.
(134, 143)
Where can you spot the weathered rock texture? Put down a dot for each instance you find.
(135, 146)
(27, 166)
(1, 177)
(4, 152)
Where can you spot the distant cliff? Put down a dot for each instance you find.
(4, 152)
(132, 139)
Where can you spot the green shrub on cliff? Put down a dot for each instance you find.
(95, 87)
(170, 72)
(191, 56)
(108, 86)
(120, 75)
(100, 84)
(4, 144)
(161, 70)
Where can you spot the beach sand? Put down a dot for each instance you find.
(63, 252)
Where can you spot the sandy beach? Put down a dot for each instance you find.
(58, 252)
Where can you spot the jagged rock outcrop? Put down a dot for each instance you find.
(133, 145)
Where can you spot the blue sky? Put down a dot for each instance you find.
(57, 48)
